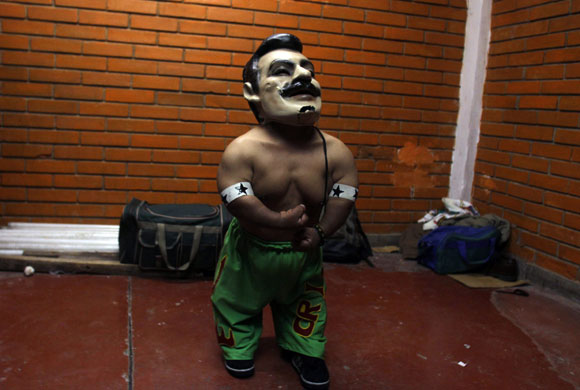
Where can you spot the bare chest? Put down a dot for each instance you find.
(285, 178)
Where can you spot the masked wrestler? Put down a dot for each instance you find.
(288, 185)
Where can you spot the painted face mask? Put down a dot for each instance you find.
(288, 92)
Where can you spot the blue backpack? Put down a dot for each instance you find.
(455, 249)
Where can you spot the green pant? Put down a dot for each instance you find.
(252, 273)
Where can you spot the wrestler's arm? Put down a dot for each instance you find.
(343, 171)
(236, 167)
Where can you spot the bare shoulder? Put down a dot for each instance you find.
(244, 145)
(336, 147)
(238, 160)
(341, 161)
(246, 139)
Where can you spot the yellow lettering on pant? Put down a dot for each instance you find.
(229, 340)
(306, 315)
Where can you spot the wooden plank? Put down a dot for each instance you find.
(60, 245)
(64, 234)
(81, 263)
(41, 237)
(67, 265)
(61, 226)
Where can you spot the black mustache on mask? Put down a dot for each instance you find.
(298, 88)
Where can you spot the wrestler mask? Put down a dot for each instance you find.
(288, 92)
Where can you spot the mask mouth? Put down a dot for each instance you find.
(307, 108)
(300, 88)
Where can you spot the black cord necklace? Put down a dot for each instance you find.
(325, 167)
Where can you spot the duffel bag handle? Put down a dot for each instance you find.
(161, 241)
(462, 247)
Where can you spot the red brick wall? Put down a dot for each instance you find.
(528, 167)
(104, 100)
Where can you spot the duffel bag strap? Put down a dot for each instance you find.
(195, 245)
(161, 241)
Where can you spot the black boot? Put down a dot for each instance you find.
(313, 371)
(240, 368)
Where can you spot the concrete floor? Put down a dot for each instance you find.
(397, 326)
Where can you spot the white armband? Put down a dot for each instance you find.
(343, 191)
(234, 191)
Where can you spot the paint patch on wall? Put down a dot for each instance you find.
(487, 182)
(414, 155)
(413, 167)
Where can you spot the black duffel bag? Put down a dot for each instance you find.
(349, 244)
(176, 237)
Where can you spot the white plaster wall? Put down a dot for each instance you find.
(477, 37)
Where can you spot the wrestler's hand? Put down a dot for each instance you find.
(293, 218)
(306, 239)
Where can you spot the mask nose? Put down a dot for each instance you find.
(302, 74)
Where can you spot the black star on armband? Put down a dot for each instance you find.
(241, 189)
(336, 191)
(234, 191)
(344, 191)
